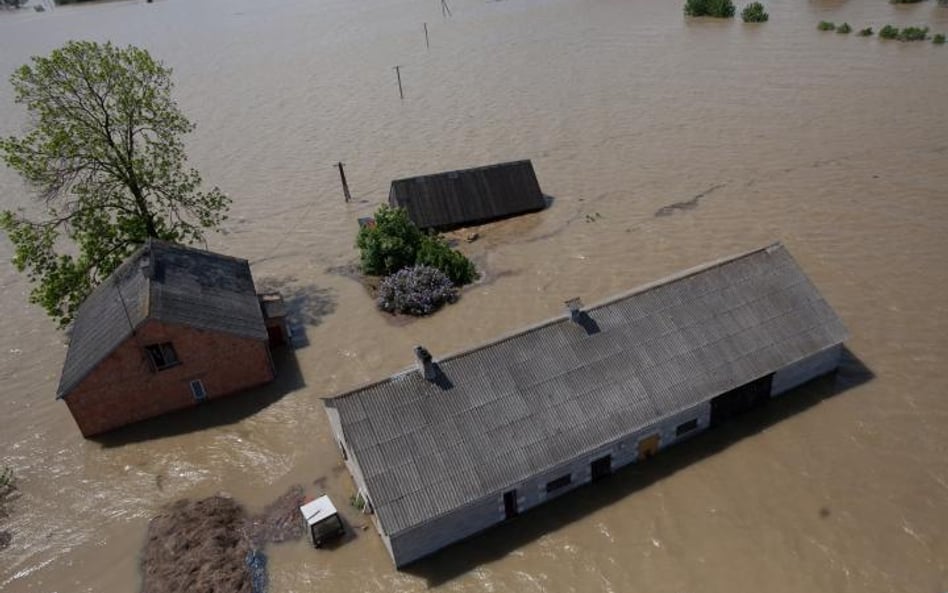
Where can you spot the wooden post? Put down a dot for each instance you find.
(345, 185)
(398, 74)
(427, 45)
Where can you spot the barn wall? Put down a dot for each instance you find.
(425, 539)
(811, 367)
(352, 464)
(124, 388)
(469, 520)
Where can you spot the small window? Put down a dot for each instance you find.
(198, 391)
(162, 356)
(686, 427)
(559, 483)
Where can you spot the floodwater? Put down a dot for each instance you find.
(664, 142)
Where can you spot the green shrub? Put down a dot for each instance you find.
(390, 244)
(914, 34)
(716, 8)
(867, 32)
(939, 39)
(394, 242)
(826, 26)
(754, 13)
(889, 32)
(434, 251)
(845, 29)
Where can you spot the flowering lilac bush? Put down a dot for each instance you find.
(416, 290)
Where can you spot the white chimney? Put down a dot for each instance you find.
(425, 363)
(575, 307)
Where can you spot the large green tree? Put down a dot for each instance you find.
(104, 156)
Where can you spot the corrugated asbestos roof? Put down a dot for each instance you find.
(469, 196)
(534, 400)
(167, 282)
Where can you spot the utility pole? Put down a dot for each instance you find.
(345, 185)
(427, 45)
(398, 74)
(445, 9)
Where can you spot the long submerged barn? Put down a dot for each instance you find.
(471, 196)
(468, 441)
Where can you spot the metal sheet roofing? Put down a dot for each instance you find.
(167, 282)
(539, 398)
(470, 196)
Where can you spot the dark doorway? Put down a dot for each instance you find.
(510, 504)
(601, 467)
(737, 401)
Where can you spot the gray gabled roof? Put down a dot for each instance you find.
(536, 399)
(167, 282)
(469, 196)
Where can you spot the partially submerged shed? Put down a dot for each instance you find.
(470, 196)
(475, 438)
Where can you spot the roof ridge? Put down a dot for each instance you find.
(640, 289)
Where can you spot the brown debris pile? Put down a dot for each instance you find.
(280, 521)
(212, 546)
(197, 546)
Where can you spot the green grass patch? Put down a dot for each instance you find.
(889, 32)
(845, 29)
(913, 34)
(755, 13)
(826, 26)
(723, 9)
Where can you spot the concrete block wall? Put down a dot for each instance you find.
(489, 511)
(464, 522)
(811, 367)
(124, 388)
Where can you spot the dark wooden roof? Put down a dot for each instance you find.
(526, 403)
(470, 196)
(167, 282)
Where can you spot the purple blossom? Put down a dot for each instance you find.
(416, 290)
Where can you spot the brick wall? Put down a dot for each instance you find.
(124, 388)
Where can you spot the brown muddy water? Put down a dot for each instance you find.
(664, 142)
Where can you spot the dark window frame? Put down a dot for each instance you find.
(686, 427)
(559, 483)
(162, 356)
(203, 395)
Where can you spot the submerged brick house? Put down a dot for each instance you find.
(446, 450)
(172, 327)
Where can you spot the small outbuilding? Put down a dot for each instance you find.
(172, 327)
(453, 199)
(459, 444)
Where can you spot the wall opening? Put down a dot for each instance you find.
(600, 468)
(510, 504)
(198, 391)
(559, 483)
(649, 446)
(737, 401)
(686, 427)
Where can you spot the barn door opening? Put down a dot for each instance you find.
(648, 446)
(510, 504)
(601, 467)
(737, 401)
